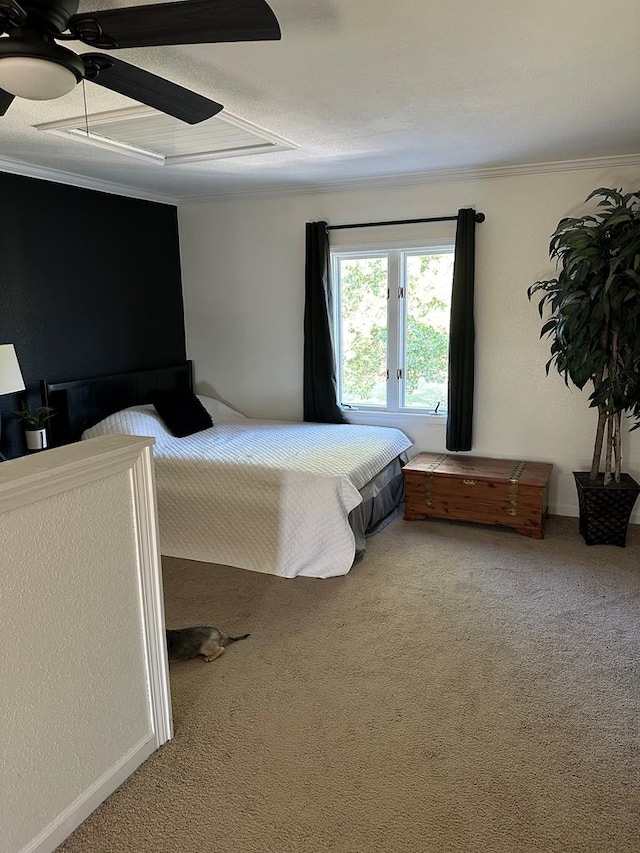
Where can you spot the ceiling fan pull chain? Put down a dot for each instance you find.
(86, 115)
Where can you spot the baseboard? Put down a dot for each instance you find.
(571, 511)
(63, 825)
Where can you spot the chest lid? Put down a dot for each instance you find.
(481, 468)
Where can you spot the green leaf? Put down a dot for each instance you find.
(615, 195)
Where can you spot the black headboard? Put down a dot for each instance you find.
(81, 403)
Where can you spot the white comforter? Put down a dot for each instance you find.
(270, 496)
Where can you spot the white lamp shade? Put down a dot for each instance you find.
(10, 375)
(35, 78)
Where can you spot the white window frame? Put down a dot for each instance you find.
(396, 319)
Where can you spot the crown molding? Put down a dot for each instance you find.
(382, 182)
(17, 167)
(418, 178)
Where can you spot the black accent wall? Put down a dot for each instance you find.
(89, 285)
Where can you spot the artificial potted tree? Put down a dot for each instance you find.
(35, 424)
(594, 327)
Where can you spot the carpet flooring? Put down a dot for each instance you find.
(463, 688)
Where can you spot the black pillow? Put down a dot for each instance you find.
(181, 411)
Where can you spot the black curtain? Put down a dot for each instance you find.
(462, 335)
(320, 400)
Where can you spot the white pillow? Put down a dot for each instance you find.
(220, 412)
(137, 420)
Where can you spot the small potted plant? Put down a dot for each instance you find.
(35, 421)
(594, 327)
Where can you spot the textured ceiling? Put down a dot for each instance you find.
(373, 88)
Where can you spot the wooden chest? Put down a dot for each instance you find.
(510, 492)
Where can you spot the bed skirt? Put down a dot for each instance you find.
(381, 498)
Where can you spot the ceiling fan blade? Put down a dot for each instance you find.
(148, 88)
(183, 22)
(5, 101)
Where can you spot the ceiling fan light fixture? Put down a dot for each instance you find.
(35, 79)
(38, 70)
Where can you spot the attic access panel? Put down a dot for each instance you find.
(149, 135)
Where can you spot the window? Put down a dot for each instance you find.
(392, 328)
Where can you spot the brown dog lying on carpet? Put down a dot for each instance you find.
(184, 643)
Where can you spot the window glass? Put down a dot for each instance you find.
(363, 313)
(428, 280)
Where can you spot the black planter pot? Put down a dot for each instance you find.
(605, 510)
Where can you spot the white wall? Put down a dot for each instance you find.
(79, 705)
(243, 274)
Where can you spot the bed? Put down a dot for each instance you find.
(290, 499)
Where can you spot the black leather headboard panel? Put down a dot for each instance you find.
(82, 403)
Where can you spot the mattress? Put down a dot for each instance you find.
(268, 496)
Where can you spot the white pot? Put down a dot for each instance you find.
(36, 438)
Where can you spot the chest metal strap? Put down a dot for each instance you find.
(513, 487)
(428, 478)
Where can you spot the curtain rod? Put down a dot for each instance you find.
(479, 217)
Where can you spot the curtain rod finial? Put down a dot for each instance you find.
(480, 217)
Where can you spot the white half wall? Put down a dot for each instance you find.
(85, 695)
(243, 279)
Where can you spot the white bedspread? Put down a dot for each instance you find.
(269, 496)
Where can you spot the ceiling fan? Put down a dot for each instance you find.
(33, 66)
